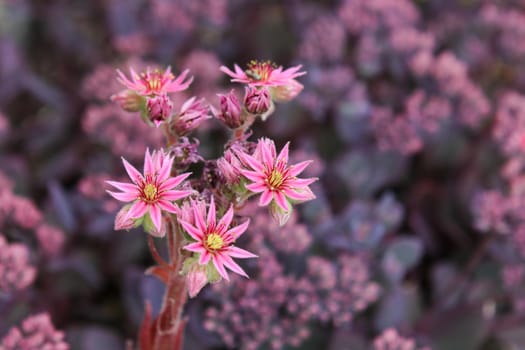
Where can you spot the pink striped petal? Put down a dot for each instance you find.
(193, 231)
(250, 161)
(149, 168)
(133, 173)
(232, 265)
(239, 253)
(291, 182)
(199, 213)
(298, 168)
(212, 214)
(137, 210)
(123, 186)
(267, 148)
(205, 257)
(173, 182)
(257, 187)
(237, 231)
(195, 247)
(226, 220)
(218, 263)
(281, 201)
(156, 216)
(282, 158)
(167, 206)
(164, 168)
(266, 198)
(304, 194)
(123, 196)
(253, 176)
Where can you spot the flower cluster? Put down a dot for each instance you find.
(15, 271)
(36, 333)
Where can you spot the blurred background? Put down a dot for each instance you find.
(414, 114)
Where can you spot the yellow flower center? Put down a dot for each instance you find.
(275, 180)
(259, 71)
(150, 192)
(214, 241)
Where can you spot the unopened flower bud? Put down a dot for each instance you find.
(257, 100)
(287, 92)
(196, 279)
(122, 221)
(129, 100)
(279, 215)
(159, 108)
(231, 111)
(192, 113)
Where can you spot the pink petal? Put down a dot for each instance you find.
(137, 210)
(282, 158)
(123, 186)
(149, 169)
(257, 187)
(123, 196)
(295, 182)
(298, 168)
(193, 231)
(253, 176)
(303, 194)
(232, 265)
(239, 253)
(198, 215)
(251, 162)
(195, 247)
(226, 220)
(212, 214)
(218, 263)
(237, 231)
(172, 182)
(281, 201)
(133, 173)
(156, 216)
(165, 169)
(205, 257)
(167, 206)
(266, 154)
(266, 198)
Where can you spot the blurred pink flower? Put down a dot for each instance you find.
(231, 110)
(273, 178)
(51, 239)
(159, 108)
(15, 271)
(152, 192)
(214, 241)
(263, 74)
(37, 333)
(154, 82)
(391, 340)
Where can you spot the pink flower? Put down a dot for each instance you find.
(214, 241)
(154, 82)
(15, 272)
(37, 332)
(273, 178)
(263, 74)
(152, 192)
(196, 279)
(192, 113)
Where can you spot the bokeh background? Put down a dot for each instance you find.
(413, 111)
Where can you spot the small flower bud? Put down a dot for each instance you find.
(129, 100)
(159, 108)
(279, 215)
(231, 111)
(285, 93)
(257, 100)
(192, 113)
(196, 279)
(122, 221)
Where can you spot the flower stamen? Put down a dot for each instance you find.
(214, 241)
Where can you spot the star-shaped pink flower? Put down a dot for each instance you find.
(214, 240)
(155, 82)
(273, 178)
(152, 192)
(264, 74)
